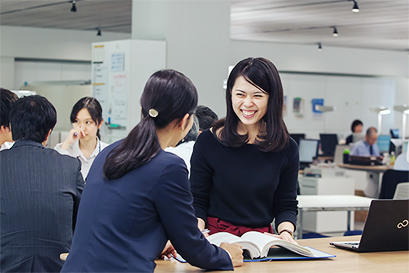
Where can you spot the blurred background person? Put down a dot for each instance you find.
(367, 146)
(356, 128)
(7, 99)
(206, 117)
(184, 148)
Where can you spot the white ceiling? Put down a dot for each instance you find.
(380, 24)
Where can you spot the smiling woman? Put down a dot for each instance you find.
(250, 105)
(244, 170)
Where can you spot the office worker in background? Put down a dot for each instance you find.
(83, 141)
(402, 160)
(244, 170)
(7, 99)
(367, 146)
(356, 127)
(138, 196)
(40, 191)
(184, 148)
(206, 117)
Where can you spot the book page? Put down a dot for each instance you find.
(264, 242)
(220, 237)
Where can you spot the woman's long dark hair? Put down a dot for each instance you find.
(261, 73)
(94, 109)
(173, 96)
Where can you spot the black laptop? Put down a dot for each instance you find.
(386, 228)
(365, 160)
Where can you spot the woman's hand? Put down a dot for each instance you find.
(236, 253)
(168, 251)
(283, 236)
(73, 136)
(201, 225)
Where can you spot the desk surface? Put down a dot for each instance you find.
(333, 202)
(346, 261)
(379, 168)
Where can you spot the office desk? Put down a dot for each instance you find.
(378, 168)
(373, 174)
(330, 203)
(346, 261)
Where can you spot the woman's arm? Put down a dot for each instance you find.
(286, 230)
(173, 201)
(285, 199)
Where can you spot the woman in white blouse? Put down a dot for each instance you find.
(83, 141)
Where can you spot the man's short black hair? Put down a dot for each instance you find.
(206, 117)
(7, 99)
(31, 118)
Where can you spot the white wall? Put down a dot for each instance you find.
(307, 58)
(41, 43)
(31, 72)
(76, 45)
(352, 98)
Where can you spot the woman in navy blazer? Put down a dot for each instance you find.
(138, 197)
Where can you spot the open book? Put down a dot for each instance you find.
(258, 244)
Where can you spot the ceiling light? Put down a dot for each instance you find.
(73, 8)
(335, 32)
(319, 47)
(355, 8)
(99, 32)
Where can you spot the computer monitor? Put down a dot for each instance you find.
(328, 143)
(357, 137)
(297, 137)
(384, 142)
(308, 149)
(394, 133)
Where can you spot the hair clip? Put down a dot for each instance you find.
(153, 113)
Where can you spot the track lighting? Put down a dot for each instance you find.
(99, 32)
(355, 8)
(319, 47)
(335, 32)
(73, 8)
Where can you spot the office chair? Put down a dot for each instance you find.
(402, 191)
(390, 179)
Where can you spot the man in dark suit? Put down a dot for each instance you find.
(40, 191)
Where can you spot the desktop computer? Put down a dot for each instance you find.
(394, 133)
(308, 149)
(384, 143)
(328, 143)
(297, 137)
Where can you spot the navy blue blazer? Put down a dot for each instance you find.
(40, 191)
(123, 224)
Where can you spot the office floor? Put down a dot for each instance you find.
(358, 227)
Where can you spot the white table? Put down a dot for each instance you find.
(374, 176)
(330, 203)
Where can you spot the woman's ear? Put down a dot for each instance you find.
(184, 122)
(100, 124)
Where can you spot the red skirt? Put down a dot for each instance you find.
(217, 225)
